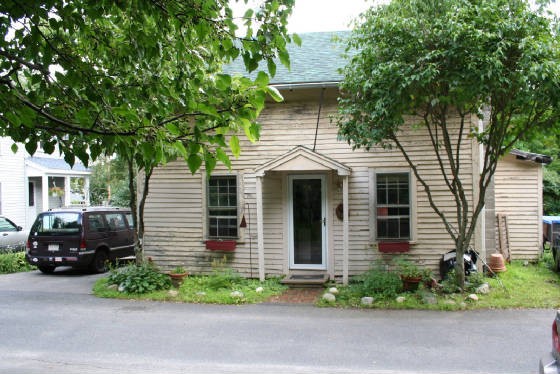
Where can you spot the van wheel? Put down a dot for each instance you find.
(45, 269)
(99, 262)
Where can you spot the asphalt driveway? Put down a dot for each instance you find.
(52, 324)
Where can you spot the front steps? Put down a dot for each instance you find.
(306, 279)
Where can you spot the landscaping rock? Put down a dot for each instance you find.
(463, 305)
(237, 294)
(121, 288)
(259, 290)
(201, 293)
(483, 289)
(367, 300)
(173, 293)
(333, 290)
(401, 299)
(429, 298)
(450, 302)
(113, 287)
(472, 297)
(329, 297)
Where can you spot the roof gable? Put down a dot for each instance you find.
(301, 158)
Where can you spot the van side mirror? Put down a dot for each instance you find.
(19, 228)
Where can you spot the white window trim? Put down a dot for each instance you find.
(373, 201)
(240, 204)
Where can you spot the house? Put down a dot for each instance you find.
(32, 184)
(301, 203)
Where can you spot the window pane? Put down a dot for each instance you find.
(393, 206)
(222, 206)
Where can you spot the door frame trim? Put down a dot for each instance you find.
(324, 233)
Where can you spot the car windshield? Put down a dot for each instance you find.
(57, 224)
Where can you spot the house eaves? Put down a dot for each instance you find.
(49, 165)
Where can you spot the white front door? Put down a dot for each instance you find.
(307, 221)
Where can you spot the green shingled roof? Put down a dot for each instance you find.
(316, 61)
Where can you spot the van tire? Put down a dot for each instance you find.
(46, 269)
(99, 262)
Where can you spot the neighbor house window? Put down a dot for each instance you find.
(31, 192)
(392, 206)
(222, 207)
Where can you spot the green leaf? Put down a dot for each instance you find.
(194, 161)
(275, 94)
(262, 79)
(173, 129)
(31, 147)
(223, 157)
(179, 146)
(234, 146)
(271, 67)
(284, 58)
(209, 161)
(296, 39)
(14, 148)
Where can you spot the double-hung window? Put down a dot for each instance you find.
(392, 206)
(222, 207)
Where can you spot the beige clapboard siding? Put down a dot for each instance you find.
(175, 208)
(518, 195)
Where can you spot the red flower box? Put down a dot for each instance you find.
(221, 245)
(394, 247)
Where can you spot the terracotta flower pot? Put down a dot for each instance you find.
(410, 283)
(177, 278)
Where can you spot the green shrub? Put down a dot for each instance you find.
(14, 262)
(377, 282)
(222, 279)
(139, 278)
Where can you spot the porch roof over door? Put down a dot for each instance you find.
(302, 158)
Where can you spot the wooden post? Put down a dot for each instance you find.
(345, 229)
(260, 228)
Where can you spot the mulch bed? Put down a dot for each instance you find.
(298, 296)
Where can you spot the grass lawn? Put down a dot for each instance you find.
(533, 285)
(523, 285)
(211, 289)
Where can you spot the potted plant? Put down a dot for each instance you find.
(411, 275)
(177, 275)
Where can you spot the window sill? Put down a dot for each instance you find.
(221, 245)
(393, 247)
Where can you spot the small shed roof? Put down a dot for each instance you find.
(528, 156)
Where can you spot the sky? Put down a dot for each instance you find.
(334, 15)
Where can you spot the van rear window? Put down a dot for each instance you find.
(57, 224)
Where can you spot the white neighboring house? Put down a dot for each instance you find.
(32, 184)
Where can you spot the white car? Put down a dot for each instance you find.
(12, 236)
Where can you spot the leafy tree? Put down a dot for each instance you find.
(109, 182)
(438, 63)
(137, 78)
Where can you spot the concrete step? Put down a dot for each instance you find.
(302, 280)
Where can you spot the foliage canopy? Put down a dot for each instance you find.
(444, 64)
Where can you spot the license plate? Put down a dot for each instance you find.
(54, 247)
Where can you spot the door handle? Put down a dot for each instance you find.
(324, 221)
